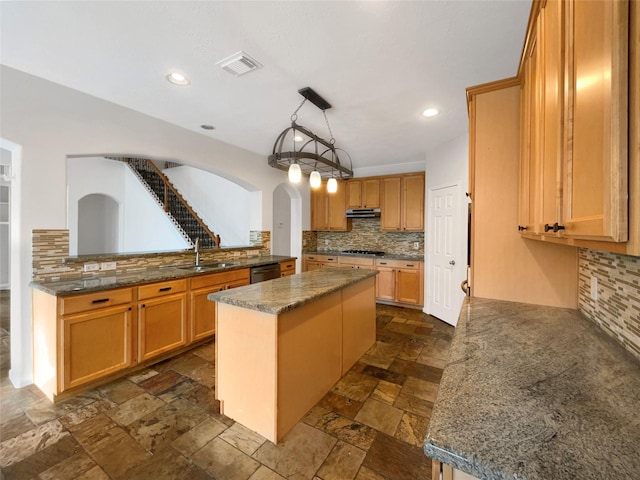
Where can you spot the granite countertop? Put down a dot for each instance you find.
(286, 293)
(105, 282)
(536, 393)
(388, 256)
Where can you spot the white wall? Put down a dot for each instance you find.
(448, 164)
(47, 122)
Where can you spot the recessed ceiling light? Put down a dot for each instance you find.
(178, 79)
(207, 127)
(430, 112)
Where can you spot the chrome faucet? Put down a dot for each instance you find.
(196, 249)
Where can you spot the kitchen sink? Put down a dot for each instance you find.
(207, 266)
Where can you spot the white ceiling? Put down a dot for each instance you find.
(379, 63)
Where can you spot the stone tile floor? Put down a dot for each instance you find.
(164, 423)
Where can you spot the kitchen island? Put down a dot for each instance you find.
(282, 344)
(535, 393)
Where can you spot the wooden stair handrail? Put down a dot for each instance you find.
(168, 184)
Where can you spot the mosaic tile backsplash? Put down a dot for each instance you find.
(51, 256)
(365, 234)
(617, 310)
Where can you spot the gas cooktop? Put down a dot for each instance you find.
(364, 252)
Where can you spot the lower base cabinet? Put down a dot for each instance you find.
(399, 281)
(96, 344)
(442, 471)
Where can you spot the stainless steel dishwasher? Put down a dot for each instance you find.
(265, 272)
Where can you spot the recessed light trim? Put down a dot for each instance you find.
(430, 112)
(179, 79)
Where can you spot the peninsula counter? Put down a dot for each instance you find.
(282, 344)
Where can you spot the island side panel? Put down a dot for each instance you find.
(309, 357)
(246, 374)
(358, 321)
(45, 343)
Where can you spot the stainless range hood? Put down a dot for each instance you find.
(363, 212)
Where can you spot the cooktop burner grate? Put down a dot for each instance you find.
(364, 252)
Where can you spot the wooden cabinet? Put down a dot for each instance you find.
(402, 206)
(363, 193)
(574, 109)
(287, 268)
(399, 281)
(316, 262)
(202, 313)
(81, 338)
(328, 210)
(162, 318)
(96, 336)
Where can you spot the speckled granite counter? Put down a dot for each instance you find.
(388, 256)
(92, 283)
(287, 293)
(533, 393)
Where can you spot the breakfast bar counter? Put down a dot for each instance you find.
(536, 393)
(282, 344)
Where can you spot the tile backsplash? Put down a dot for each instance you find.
(51, 259)
(617, 309)
(365, 234)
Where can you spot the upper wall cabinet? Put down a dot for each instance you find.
(363, 193)
(402, 207)
(574, 110)
(328, 210)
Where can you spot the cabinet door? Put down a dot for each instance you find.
(162, 325)
(354, 193)
(95, 344)
(319, 208)
(385, 283)
(413, 203)
(311, 265)
(407, 286)
(371, 193)
(203, 313)
(337, 209)
(595, 193)
(390, 218)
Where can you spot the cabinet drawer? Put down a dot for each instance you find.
(161, 288)
(398, 264)
(287, 266)
(202, 281)
(93, 301)
(322, 258)
(358, 261)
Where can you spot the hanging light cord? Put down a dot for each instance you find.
(294, 116)
(332, 141)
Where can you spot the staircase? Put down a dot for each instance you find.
(181, 214)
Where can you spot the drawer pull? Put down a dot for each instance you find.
(409, 264)
(100, 300)
(331, 259)
(383, 263)
(164, 289)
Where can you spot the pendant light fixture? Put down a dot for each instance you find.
(304, 158)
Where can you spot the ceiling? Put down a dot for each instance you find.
(379, 63)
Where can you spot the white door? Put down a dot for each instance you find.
(445, 254)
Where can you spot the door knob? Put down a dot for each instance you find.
(452, 262)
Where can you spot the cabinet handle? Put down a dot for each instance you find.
(164, 289)
(382, 263)
(129, 309)
(409, 264)
(143, 305)
(522, 228)
(100, 300)
(555, 227)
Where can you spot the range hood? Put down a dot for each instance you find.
(363, 212)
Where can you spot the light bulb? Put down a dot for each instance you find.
(295, 173)
(178, 79)
(332, 185)
(430, 112)
(314, 179)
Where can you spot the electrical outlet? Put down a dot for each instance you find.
(416, 245)
(326, 242)
(91, 267)
(108, 266)
(594, 288)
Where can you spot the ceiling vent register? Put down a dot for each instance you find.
(309, 154)
(239, 64)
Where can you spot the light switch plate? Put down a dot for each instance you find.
(108, 266)
(594, 288)
(91, 267)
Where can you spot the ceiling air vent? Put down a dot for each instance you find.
(239, 64)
